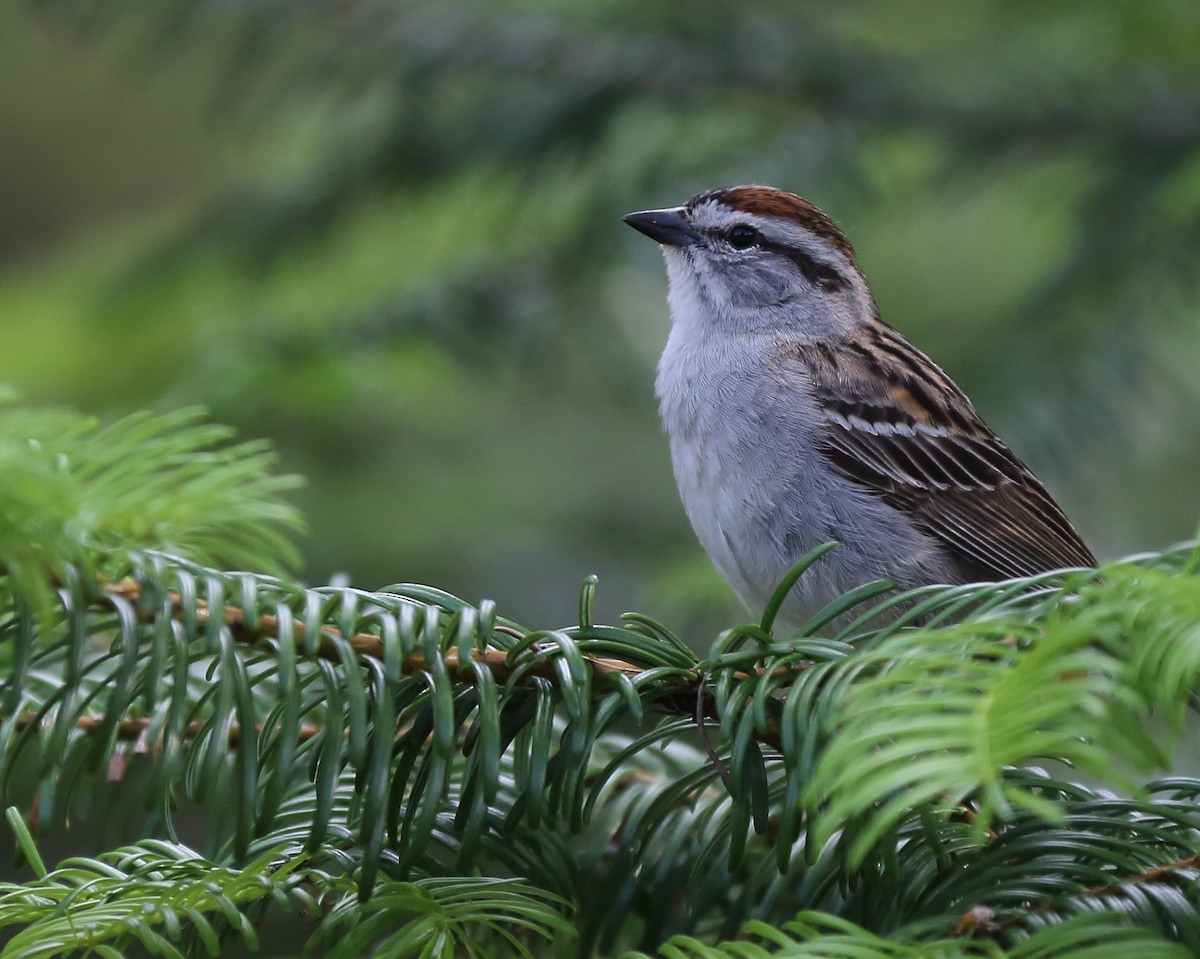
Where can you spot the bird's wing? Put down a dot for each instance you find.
(898, 425)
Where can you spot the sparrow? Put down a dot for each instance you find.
(797, 416)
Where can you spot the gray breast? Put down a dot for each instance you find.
(744, 445)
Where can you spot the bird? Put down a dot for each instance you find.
(795, 416)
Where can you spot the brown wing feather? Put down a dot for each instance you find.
(913, 437)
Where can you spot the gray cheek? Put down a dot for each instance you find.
(759, 285)
(715, 283)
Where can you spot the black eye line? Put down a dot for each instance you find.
(815, 271)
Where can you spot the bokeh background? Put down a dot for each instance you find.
(387, 237)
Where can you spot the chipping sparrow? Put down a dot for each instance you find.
(797, 416)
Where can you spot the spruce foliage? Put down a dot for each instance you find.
(407, 774)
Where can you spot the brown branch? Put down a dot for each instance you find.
(1161, 873)
(365, 644)
(979, 920)
(132, 729)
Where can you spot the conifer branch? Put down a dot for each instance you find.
(363, 644)
(133, 728)
(980, 921)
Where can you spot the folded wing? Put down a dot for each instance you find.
(912, 437)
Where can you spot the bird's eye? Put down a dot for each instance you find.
(743, 237)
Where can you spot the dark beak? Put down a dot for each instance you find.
(668, 227)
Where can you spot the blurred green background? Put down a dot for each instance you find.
(387, 236)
